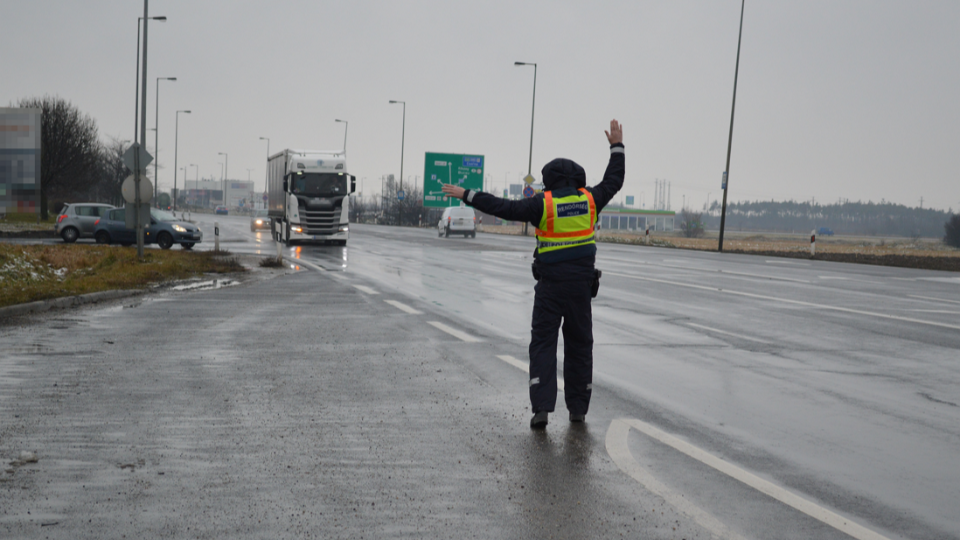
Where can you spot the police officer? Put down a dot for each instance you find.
(565, 216)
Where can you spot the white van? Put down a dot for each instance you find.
(458, 220)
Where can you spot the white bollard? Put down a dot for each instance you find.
(216, 236)
(813, 243)
(279, 254)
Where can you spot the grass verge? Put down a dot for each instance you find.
(30, 273)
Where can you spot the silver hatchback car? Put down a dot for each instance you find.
(76, 220)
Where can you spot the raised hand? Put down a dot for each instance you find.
(615, 135)
(450, 190)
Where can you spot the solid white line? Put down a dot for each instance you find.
(787, 301)
(619, 451)
(727, 333)
(403, 307)
(364, 288)
(521, 365)
(813, 510)
(304, 263)
(786, 262)
(855, 280)
(454, 332)
(934, 299)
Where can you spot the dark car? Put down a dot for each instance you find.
(165, 230)
(77, 220)
(221, 210)
(259, 221)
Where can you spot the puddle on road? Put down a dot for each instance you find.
(206, 285)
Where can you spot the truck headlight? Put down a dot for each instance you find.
(297, 230)
(344, 228)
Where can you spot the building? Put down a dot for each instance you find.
(629, 220)
(209, 194)
(19, 161)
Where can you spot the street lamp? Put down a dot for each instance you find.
(176, 143)
(532, 109)
(266, 171)
(223, 178)
(136, 113)
(197, 177)
(142, 105)
(345, 126)
(403, 135)
(156, 145)
(733, 107)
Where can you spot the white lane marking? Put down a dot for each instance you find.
(788, 301)
(934, 299)
(947, 311)
(841, 278)
(718, 331)
(454, 332)
(311, 266)
(809, 508)
(619, 451)
(522, 366)
(706, 270)
(776, 278)
(364, 288)
(403, 307)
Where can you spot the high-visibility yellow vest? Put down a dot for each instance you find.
(567, 222)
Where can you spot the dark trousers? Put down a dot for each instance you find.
(569, 302)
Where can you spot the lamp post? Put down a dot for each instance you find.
(403, 134)
(532, 109)
(223, 178)
(156, 145)
(195, 182)
(266, 171)
(345, 126)
(733, 107)
(143, 129)
(136, 112)
(176, 145)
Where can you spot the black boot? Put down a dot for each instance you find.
(539, 420)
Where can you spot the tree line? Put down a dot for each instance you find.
(845, 217)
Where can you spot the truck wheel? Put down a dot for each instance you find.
(164, 240)
(70, 235)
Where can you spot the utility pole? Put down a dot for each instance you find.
(143, 133)
(733, 108)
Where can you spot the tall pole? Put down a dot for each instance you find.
(136, 108)
(156, 144)
(176, 147)
(726, 170)
(223, 178)
(143, 132)
(403, 135)
(533, 109)
(266, 173)
(197, 178)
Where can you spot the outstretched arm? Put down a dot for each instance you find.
(613, 176)
(528, 210)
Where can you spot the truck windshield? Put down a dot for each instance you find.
(320, 184)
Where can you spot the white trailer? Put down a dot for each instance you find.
(309, 196)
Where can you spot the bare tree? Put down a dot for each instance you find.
(69, 150)
(112, 172)
(691, 223)
(952, 230)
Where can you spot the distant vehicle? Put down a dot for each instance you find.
(165, 230)
(259, 220)
(77, 220)
(221, 210)
(309, 196)
(825, 231)
(458, 220)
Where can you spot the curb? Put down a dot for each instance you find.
(65, 302)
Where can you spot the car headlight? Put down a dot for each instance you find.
(259, 222)
(179, 228)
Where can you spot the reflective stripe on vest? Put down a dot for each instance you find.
(566, 221)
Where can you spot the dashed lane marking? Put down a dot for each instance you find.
(619, 451)
(403, 307)
(522, 366)
(617, 441)
(788, 301)
(724, 332)
(463, 336)
(933, 299)
(364, 288)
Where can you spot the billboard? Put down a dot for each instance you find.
(19, 160)
(464, 170)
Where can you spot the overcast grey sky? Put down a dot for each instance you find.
(852, 99)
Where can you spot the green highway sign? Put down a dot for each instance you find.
(464, 170)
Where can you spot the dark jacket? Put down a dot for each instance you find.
(562, 177)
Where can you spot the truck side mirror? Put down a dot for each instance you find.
(284, 185)
(353, 184)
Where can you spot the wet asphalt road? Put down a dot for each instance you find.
(271, 408)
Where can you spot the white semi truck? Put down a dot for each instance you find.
(309, 196)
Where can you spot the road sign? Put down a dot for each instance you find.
(129, 187)
(461, 170)
(528, 179)
(401, 195)
(723, 185)
(629, 200)
(528, 192)
(137, 157)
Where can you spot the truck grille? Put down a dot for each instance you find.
(320, 221)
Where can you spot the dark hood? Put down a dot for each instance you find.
(561, 173)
